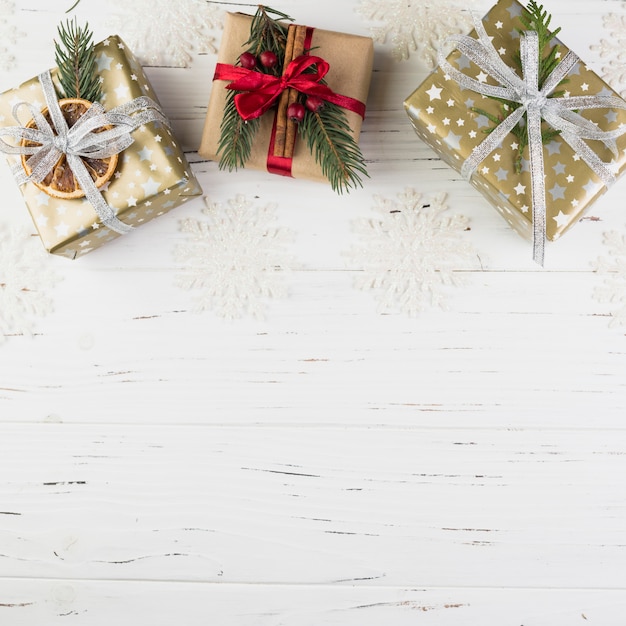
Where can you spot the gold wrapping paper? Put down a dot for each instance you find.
(152, 175)
(350, 57)
(440, 112)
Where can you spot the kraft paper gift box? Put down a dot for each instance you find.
(350, 58)
(152, 175)
(441, 113)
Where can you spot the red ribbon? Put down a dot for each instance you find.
(258, 91)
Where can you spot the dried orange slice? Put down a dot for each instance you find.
(60, 181)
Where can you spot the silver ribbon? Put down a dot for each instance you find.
(536, 104)
(80, 140)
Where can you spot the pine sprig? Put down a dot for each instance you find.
(236, 136)
(533, 18)
(76, 62)
(327, 135)
(267, 32)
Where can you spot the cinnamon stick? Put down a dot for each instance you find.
(298, 50)
(281, 115)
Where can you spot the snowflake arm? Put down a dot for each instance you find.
(162, 32)
(613, 268)
(9, 35)
(613, 51)
(410, 253)
(236, 260)
(25, 277)
(416, 26)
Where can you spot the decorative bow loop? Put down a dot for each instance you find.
(537, 104)
(259, 91)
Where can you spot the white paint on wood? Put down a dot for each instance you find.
(328, 465)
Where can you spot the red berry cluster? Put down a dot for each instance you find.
(268, 60)
(297, 110)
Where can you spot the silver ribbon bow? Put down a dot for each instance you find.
(80, 140)
(536, 104)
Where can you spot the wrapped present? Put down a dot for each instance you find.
(146, 176)
(268, 94)
(537, 132)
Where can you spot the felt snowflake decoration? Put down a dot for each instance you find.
(9, 35)
(25, 279)
(164, 32)
(236, 259)
(613, 267)
(613, 51)
(416, 25)
(409, 255)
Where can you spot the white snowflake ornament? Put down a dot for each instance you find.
(166, 32)
(9, 35)
(236, 259)
(613, 267)
(613, 51)
(25, 278)
(416, 25)
(409, 255)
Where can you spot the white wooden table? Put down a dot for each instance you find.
(330, 463)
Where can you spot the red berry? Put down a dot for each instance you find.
(247, 60)
(296, 112)
(314, 103)
(268, 59)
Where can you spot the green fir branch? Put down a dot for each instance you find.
(76, 62)
(328, 137)
(533, 18)
(268, 32)
(236, 135)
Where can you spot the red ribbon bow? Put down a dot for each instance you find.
(259, 91)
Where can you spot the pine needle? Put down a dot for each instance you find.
(328, 137)
(76, 62)
(326, 132)
(533, 18)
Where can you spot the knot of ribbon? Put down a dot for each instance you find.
(258, 91)
(537, 104)
(84, 139)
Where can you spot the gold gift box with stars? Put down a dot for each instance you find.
(442, 116)
(152, 176)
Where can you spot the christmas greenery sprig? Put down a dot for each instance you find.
(76, 62)
(537, 19)
(267, 32)
(327, 135)
(323, 126)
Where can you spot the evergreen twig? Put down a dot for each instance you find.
(76, 62)
(328, 137)
(535, 18)
(237, 136)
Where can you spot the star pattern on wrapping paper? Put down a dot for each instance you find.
(235, 259)
(162, 32)
(26, 278)
(418, 26)
(410, 253)
(565, 190)
(122, 192)
(612, 268)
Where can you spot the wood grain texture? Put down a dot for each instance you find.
(330, 464)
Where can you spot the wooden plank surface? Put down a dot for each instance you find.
(331, 463)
